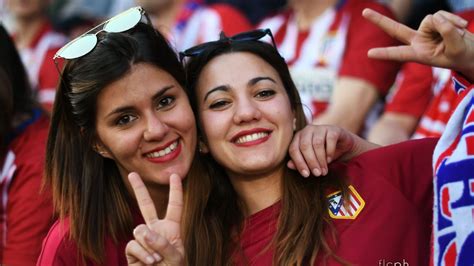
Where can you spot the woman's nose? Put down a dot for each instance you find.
(155, 129)
(246, 111)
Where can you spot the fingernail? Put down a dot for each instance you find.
(328, 159)
(149, 259)
(157, 257)
(316, 172)
(461, 32)
(325, 171)
(438, 18)
(305, 173)
(463, 22)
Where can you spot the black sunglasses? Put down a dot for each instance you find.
(253, 35)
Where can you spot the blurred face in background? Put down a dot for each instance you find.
(24, 9)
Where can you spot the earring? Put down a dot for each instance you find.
(294, 124)
(202, 147)
(99, 150)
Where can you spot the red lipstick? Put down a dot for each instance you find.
(168, 157)
(250, 132)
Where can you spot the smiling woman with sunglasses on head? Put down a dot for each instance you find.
(247, 208)
(121, 108)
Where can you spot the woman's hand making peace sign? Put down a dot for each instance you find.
(158, 242)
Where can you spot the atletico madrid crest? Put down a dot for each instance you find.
(339, 210)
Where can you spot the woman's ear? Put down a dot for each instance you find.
(101, 150)
(294, 124)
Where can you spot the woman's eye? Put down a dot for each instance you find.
(125, 119)
(218, 104)
(166, 101)
(265, 93)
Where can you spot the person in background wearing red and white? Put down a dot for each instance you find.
(37, 43)
(325, 44)
(421, 103)
(189, 22)
(26, 213)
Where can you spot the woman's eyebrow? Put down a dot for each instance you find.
(157, 95)
(224, 88)
(161, 92)
(258, 79)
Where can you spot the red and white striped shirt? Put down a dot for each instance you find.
(335, 45)
(198, 24)
(39, 64)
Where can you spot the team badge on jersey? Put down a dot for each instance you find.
(338, 210)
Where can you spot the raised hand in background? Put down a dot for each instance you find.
(441, 40)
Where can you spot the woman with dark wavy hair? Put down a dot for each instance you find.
(120, 107)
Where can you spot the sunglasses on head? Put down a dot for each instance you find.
(85, 43)
(253, 35)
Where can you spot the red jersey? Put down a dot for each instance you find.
(388, 218)
(434, 120)
(335, 45)
(423, 92)
(60, 249)
(198, 23)
(412, 90)
(39, 64)
(25, 213)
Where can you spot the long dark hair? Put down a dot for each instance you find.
(16, 96)
(86, 187)
(213, 216)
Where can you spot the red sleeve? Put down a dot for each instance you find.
(363, 35)
(29, 212)
(48, 80)
(58, 249)
(413, 91)
(407, 166)
(233, 21)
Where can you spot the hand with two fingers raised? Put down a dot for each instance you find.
(158, 242)
(441, 40)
